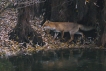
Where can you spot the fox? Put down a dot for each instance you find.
(71, 27)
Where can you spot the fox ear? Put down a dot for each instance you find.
(48, 21)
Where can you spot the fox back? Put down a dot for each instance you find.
(60, 26)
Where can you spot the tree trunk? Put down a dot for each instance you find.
(59, 10)
(23, 31)
(103, 39)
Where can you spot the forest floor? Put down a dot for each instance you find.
(8, 20)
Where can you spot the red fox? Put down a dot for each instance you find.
(71, 27)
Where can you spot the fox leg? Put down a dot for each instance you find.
(55, 35)
(62, 34)
(71, 37)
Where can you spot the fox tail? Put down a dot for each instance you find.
(86, 28)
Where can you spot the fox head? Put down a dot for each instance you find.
(48, 25)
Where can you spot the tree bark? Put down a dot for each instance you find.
(103, 38)
(23, 31)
